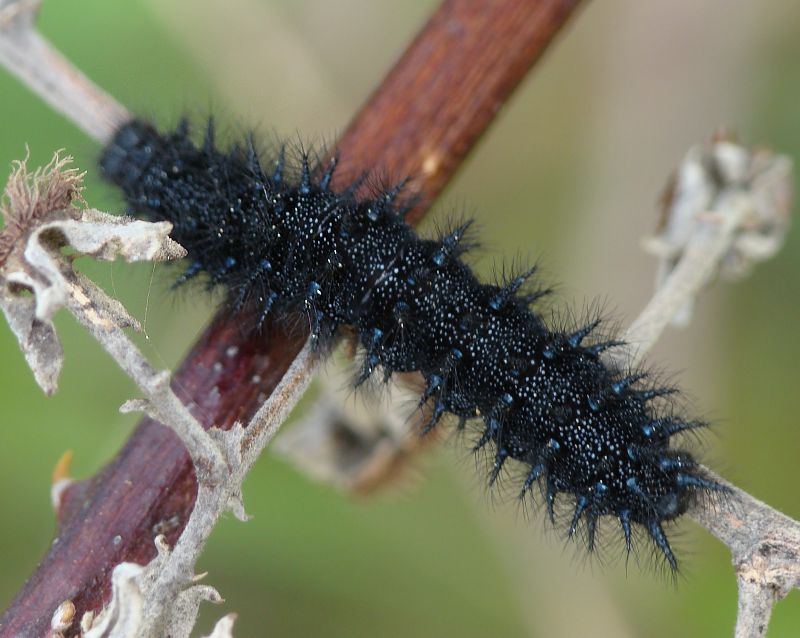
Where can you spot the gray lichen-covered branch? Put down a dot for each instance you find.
(41, 218)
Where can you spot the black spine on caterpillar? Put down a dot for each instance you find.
(546, 399)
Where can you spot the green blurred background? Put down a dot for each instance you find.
(569, 174)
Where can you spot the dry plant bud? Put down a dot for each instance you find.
(711, 181)
(62, 619)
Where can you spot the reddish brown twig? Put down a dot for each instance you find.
(422, 120)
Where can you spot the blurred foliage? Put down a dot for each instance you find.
(434, 558)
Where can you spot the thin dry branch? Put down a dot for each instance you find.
(40, 221)
(161, 599)
(39, 66)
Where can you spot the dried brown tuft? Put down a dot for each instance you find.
(29, 198)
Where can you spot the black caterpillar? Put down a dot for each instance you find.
(282, 244)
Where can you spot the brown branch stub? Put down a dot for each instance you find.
(447, 88)
(150, 484)
(359, 444)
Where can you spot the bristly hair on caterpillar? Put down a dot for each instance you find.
(283, 243)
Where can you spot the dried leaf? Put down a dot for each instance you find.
(122, 618)
(40, 219)
(223, 628)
